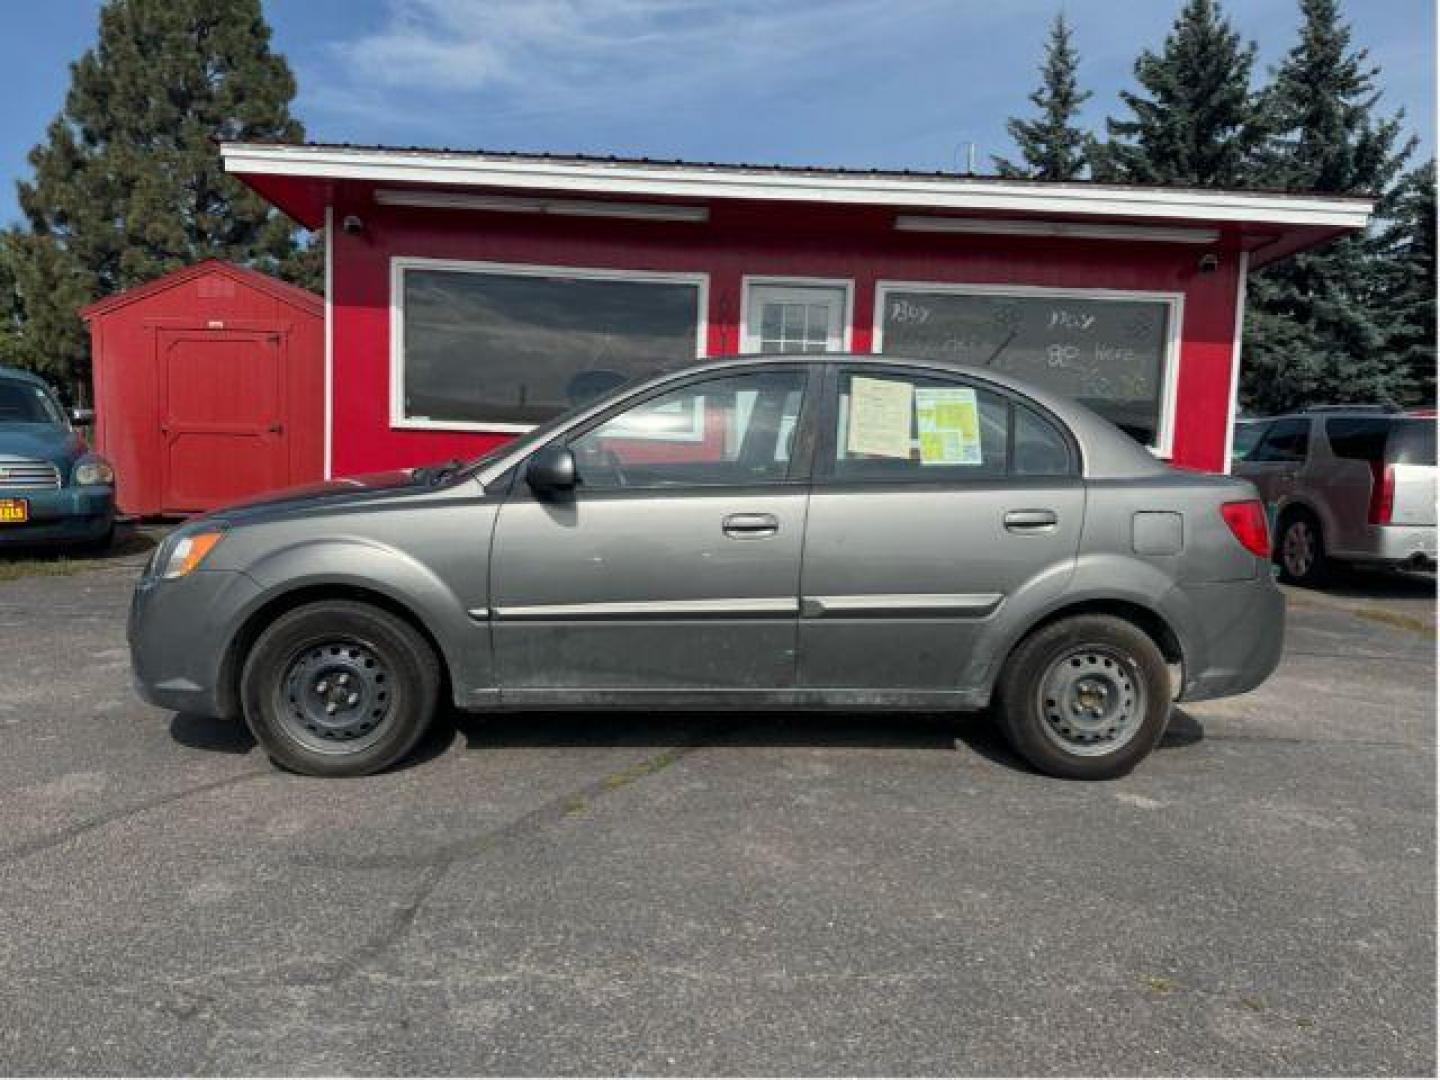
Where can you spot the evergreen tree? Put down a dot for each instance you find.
(1196, 121)
(1322, 326)
(1052, 147)
(128, 183)
(1407, 248)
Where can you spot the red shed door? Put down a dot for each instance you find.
(222, 416)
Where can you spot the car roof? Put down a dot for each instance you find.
(22, 376)
(1105, 450)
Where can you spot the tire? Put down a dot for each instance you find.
(339, 688)
(1300, 550)
(1084, 698)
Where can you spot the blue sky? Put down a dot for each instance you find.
(889, 83)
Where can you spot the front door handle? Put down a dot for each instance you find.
(1031, 521)
(750, 526)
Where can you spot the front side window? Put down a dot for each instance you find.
(501, 346)
(26, 403)
(737, 429)
(898, 426)
(1111, 353)
(1285, 441)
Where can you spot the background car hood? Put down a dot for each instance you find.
(42, 442)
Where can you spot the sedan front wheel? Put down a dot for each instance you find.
(339, 688)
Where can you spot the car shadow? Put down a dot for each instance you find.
(929, 732)
(1373, 583)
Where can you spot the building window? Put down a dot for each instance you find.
(506, 347)
(1115, 352)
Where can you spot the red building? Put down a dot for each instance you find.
(209, 386)
(472, 295)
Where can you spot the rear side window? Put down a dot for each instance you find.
(1412, 442)
(1284, 440)
(898, 426)
(1375, 439)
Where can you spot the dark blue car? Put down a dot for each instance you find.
(53, 489)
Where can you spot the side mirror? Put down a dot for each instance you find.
(552, 469)
(82, 417)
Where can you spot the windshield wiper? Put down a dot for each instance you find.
(433, 474)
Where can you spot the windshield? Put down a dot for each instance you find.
(26, 403)
(1247, 434)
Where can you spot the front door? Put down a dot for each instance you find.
(791, 317)
(221, 416)
(674, 566)
(935, 498)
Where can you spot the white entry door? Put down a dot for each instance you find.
(790, 317)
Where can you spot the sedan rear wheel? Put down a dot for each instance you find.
(339, 688)
(1086, 697)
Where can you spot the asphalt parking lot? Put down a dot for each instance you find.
(758, 893)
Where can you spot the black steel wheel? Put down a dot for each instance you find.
(339, 688)
(1086, 697)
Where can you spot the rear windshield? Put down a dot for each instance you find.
(26, 403)
(1382, 438)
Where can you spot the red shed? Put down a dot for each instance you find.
(473, 294)
(209, 387)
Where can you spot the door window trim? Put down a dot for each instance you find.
(798, 469)
(827, 419)
(847, 307)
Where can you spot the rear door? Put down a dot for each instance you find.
(221, 416)
(935, 498)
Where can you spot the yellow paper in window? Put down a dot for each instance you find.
(948, 419)
(880, 418)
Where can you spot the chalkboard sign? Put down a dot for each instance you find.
(1109, 354)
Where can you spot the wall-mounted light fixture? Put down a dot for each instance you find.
(352, 225)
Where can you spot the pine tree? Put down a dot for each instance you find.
(1196, 122)
(1052, 147)
(1322, 326)
(128, 183)
(1407, 248)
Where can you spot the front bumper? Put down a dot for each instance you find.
(179, 633)
(63, 515)
(1235, 635)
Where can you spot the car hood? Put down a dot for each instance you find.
(325, 494)
(42, 442)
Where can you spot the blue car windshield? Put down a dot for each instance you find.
(26, 403)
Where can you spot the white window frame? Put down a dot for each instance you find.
(1170, 376)
(401, 263)
(847, 308)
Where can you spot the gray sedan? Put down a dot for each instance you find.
(836, 532)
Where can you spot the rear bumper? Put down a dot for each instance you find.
(67, 515)
(1234, 635)
(1394, 544)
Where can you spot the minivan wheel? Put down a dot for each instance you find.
(1085, 698)
(1301, 551)
(339, 688)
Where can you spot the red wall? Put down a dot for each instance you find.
(757, 239)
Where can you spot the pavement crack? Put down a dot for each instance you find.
(435, 865)
(80, 828)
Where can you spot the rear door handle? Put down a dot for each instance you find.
(750, 526)
(1023, 521)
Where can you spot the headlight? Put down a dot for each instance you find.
(94, 472)
(189, 553)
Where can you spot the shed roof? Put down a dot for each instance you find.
(243, 275)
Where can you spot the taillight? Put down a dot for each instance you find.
(1382, 493)
(1247, 521)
